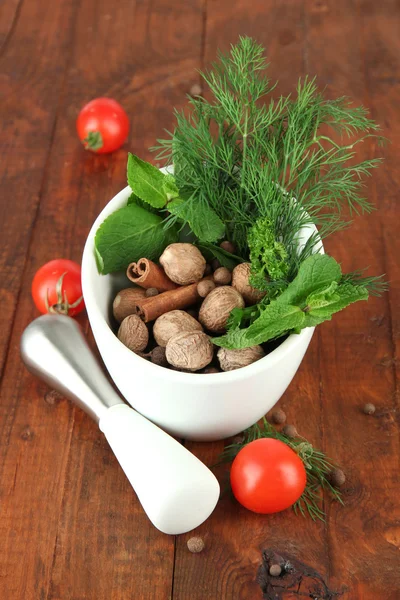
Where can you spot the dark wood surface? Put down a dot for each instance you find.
(70, 526)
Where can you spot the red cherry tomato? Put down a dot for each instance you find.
(267, 476)
(56, 288)
(102, 125)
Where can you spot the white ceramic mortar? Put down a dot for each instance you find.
(193, 406)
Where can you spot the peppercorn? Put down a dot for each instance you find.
(195, 544)
(337, 477)
(205, 287)
(369, 408)
(222, 276)
(278, 416)
(228, 246)
(195, 90)
(151, 292)
(275, 570)
(158, 356)
(215, 264)
(290, 431)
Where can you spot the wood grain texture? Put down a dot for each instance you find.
(356, 347)
(235, 537)
(33, 59)
(70, 526)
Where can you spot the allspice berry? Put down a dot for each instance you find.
(217, 306)
(190, 351)
(228, 246)
(236, 359)
(195, 544)
(172, 323)
(215, 264)
(207, 270)
(290, 431)
(369, 408)
(204, 287)
(125, 302)
(151, 292)
(211, 370)
(278, 416)
(275, 570)
(183, 263)
(195, 90)
(240, 281)
(157, 356)
(133, 333)
(337, 477)
(222, 276)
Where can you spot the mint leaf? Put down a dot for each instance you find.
(316, 272)
(129, 234)
(169, 187)
(323, 304)
(146, 181)
(133, 199)
(275, 320)
(203, 221)
(209, 251)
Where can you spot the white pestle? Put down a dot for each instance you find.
(176, 490)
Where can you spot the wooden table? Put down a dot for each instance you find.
(70, 526)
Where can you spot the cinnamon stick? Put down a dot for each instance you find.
(150, 309)
(149, 275)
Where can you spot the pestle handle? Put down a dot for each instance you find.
(177, 491)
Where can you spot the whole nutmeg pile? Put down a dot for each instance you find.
(241, 283)
(183, 263)
(190, 350)
(172, 323)
(176, 307)
(235, 359)
(217, 306)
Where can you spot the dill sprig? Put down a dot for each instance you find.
(317, 465)
(246, 156)
(375, 285)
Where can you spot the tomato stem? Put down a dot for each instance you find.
(62, 306)
(93, 141)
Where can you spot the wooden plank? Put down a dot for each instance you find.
(70, 525)
(234, 537)
(32, 62)
(350, 55)
(9, 14)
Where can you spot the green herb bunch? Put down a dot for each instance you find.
(243, 157)
(260, 172)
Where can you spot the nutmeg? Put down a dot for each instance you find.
(190, 351)
(240, 281)
(171, 323)
(217, 306)
(133, 333)
(125, 302)
(183, 263)
(236, 359)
